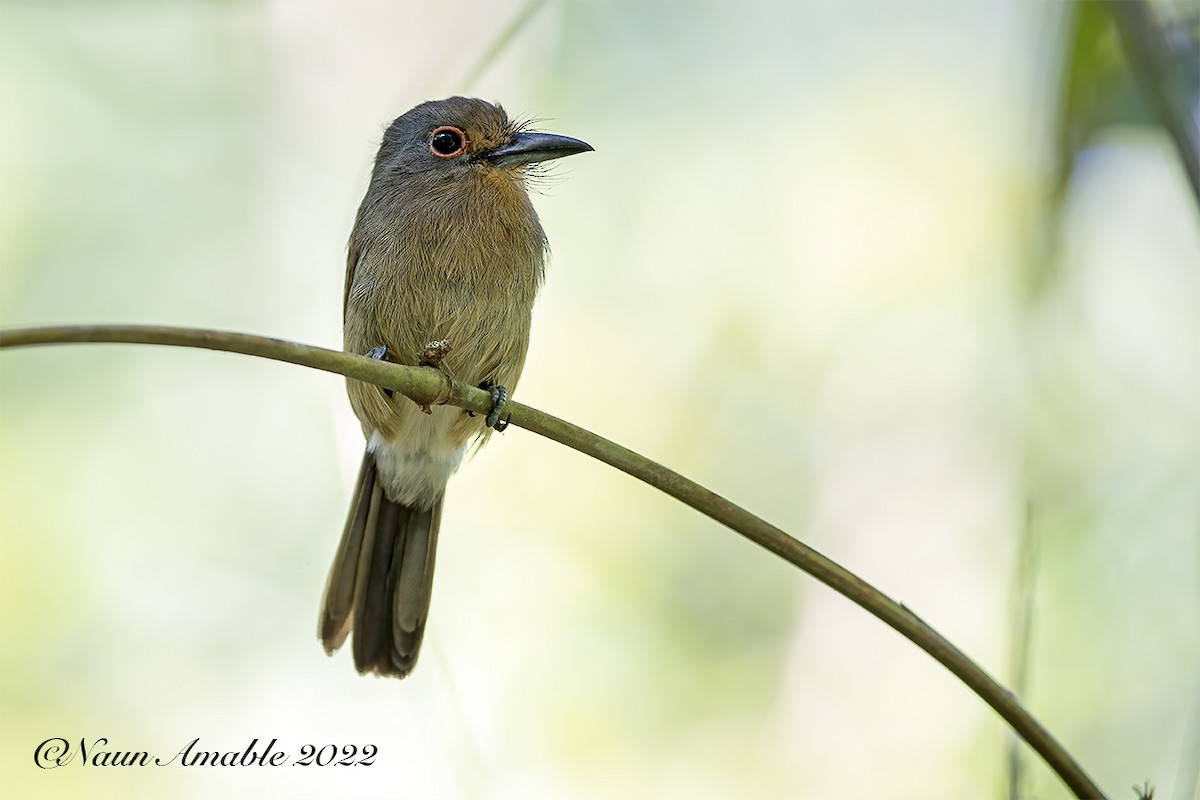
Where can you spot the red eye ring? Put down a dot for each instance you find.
(447, 141)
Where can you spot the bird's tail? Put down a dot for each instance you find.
(380, 582)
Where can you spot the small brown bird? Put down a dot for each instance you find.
(446, 258)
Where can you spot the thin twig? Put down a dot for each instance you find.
(502, 41)
(1024, 586)
(429, 386)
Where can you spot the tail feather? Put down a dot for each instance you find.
(339, 590)
(381, 580)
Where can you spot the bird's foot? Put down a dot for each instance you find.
(499, 399)
(380, 354)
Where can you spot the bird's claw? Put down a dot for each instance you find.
(499, 398)
(380, 354)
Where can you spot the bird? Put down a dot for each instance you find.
(444, 262)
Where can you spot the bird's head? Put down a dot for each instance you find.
(463, 134)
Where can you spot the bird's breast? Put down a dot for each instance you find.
(464, 268)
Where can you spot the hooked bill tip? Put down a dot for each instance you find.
(528, 147)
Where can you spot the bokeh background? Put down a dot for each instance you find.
(828, 259)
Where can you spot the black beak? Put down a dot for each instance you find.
(529, 148)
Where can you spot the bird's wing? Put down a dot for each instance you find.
(353, 257)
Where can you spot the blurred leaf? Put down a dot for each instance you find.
(1100, 90)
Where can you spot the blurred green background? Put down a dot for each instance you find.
(828, 259)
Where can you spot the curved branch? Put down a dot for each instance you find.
(431, 387)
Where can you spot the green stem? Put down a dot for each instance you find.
(429, 386)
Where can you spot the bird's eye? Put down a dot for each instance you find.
(447, 142)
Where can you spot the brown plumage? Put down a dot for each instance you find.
(446, 245)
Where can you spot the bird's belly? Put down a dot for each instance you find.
(415, 467)
(417, 452)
